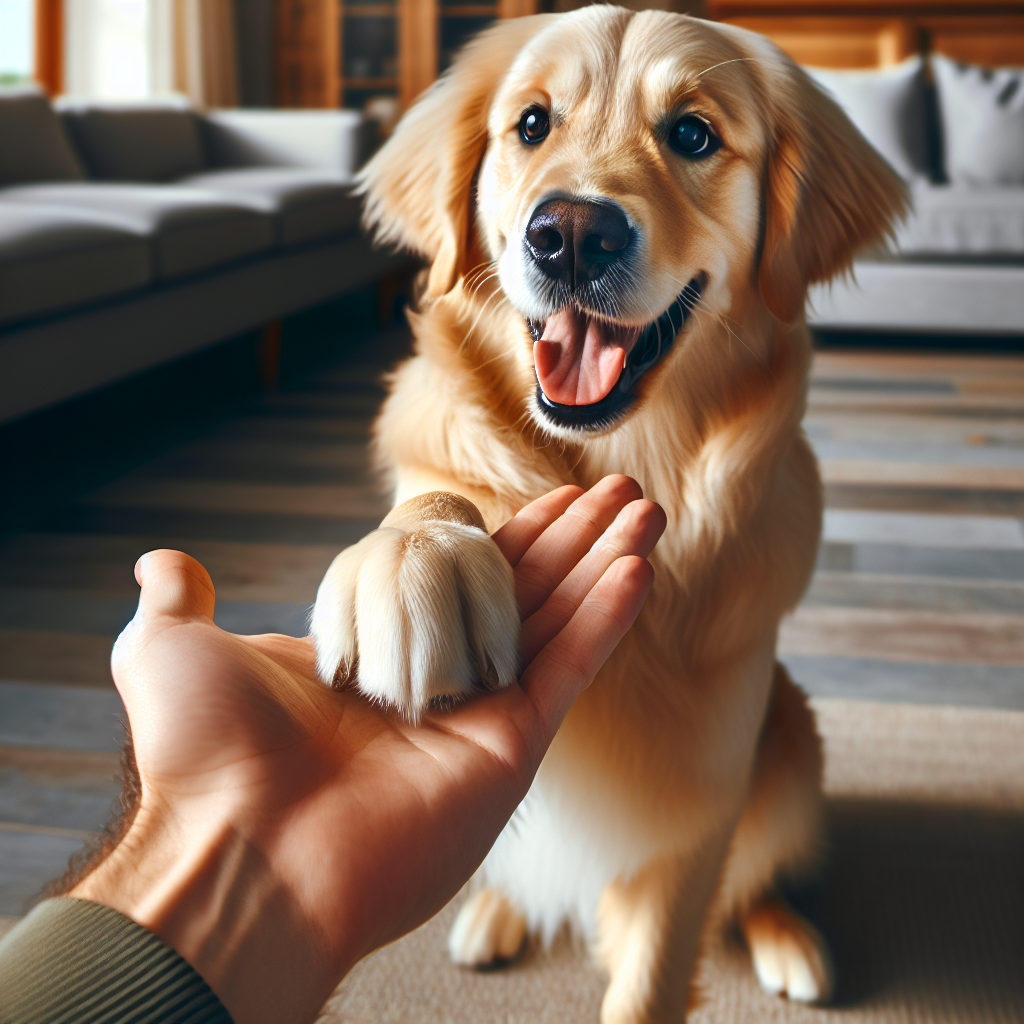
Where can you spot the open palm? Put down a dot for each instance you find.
(311, 826)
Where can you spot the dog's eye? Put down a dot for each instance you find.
(692, 137)
(534, 125)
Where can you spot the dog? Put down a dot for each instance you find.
(621, 213)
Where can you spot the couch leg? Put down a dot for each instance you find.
(268, 354)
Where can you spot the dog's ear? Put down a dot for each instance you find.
(419, 186)
(828, 193)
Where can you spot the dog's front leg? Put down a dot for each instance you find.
(421, 608)
(648, 936)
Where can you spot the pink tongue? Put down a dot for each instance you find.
(578, 360)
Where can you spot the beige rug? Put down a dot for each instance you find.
(922, 898)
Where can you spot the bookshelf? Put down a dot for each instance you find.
(349, 53)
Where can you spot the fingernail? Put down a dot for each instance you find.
(139, 567)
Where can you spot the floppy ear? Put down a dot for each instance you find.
(828, 193)
(419, 186)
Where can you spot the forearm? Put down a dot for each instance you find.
(212, 896)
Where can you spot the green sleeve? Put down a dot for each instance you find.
(84, 963)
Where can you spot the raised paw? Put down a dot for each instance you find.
(422, 608)
(789, 954)
(487, 931)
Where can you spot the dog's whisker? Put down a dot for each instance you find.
(479, 268)
(496, 295)
(721, 64)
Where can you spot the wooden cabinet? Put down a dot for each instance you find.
(307, 43)
(878, 33)
(349, 52)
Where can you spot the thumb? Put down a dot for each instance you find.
(173, 584)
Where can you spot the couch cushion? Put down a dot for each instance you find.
(888, 108)
(135, 142)
(982, 115)
(189, 230)
(339, 141)
(52, 259)
(306, 205)
(34, 146)
(963, 221)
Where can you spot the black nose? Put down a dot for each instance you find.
(576, 241)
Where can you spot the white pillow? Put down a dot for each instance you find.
(888, 108)
(982, 116)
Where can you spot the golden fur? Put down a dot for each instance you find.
(689, 773)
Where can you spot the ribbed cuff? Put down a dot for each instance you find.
(78, 962)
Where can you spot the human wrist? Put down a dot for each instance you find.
(212, 895)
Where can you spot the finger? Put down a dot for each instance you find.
(173, 584)
(174, 587)
(569, 538)
(516, 536)
(568, 664)
(635, 532)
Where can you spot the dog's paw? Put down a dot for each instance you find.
(487, 931)
(789, 954)
(417, 611)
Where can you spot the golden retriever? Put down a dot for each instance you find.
(622, 213)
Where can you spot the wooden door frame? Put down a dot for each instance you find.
(48, 58)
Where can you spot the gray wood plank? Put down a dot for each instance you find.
(28, 860)
(961, 638)
(79, 659)
(60, 717)
(947, 499)
(879, 590)
(932, 529)
(101, 565)
(179, 527)
(975, 686)
(68, 612)
(904, 560)
(57, 788)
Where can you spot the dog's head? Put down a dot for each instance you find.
(619, 170)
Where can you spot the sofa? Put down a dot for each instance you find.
(131, 235)
(955, 266)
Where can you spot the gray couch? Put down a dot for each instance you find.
(956, 265)
(132, 235)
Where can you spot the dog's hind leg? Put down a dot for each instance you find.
(779, 833)
(488, 931)
(789, 954)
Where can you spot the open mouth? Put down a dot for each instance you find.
(587, 368)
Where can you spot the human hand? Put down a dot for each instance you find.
(286, 830)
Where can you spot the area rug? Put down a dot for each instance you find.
(921, 898)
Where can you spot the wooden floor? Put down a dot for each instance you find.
(918, 597)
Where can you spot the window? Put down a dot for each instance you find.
(107, 48)
(16, 41)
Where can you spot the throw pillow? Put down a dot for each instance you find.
(33, 146)
(982, 116)
(888, 108)
(135, 142)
